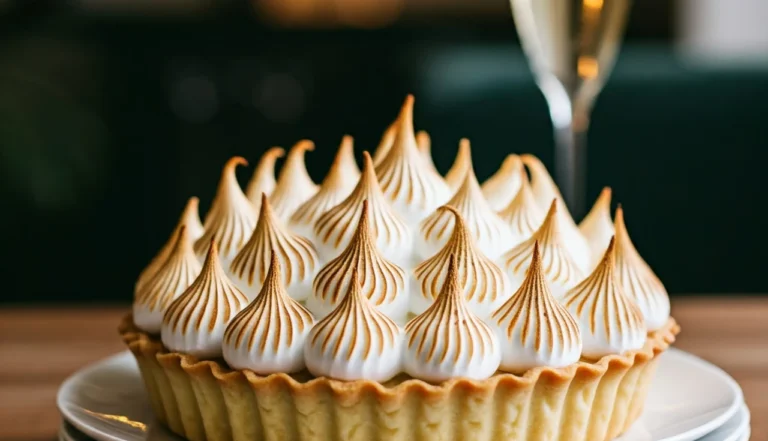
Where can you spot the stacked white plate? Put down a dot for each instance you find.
(689, 400)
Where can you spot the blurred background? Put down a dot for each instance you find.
(113, 112)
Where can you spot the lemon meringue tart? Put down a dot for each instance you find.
(339, 336)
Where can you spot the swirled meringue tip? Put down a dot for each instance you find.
(638, 280)
(384, 284)
(414, 191)
(294, 185)
(195, 322)
(483, 284)
(533, 328)
(385, 144)
(502, 186)
(263, 179)
(337, 185)
(597, 226)
(355, 341)
(461, 166)
(448, 341)
(560, 268)
(523, 215)
(268, 335)
(173, 277)
(231, 217)
(424, 142)
(491, 234)
(336, 227)
(190, 219)
(296, 254)
(610, 322)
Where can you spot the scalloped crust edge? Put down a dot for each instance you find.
(204, 400)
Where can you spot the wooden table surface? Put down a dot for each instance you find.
(39, 348)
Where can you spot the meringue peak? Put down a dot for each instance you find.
(294, 185)
(263, 179)
(424, 142)
(385, 144)
(461, 167)
(523, 215)
(344, 171)
(504, 184)
(597, 226)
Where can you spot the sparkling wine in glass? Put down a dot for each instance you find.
(571, 46)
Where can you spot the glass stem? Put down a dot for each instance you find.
(571, 163)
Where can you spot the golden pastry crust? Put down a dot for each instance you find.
(207, 401)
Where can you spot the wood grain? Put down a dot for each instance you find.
(39, 348)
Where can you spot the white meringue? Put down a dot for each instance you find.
(492, 235)
(610, 322)
(502, 186)
(424, 142)
(337, 185)
(544, 189)
(385, 144)
(194, 323)
(483, 284)
(354, 342)
(413, 190)
(268, 335)
(296, 254)
(179, 270)
(533, 328)
(336, 228)
(523, 215)
(263, 179)
(384, 284)
(638, 280)
(230, 219)
(461, 166)
(597, 226)
(448, 341)
(190, 219)
(294, 186)
(559, 266)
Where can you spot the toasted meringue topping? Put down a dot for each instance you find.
(190, 219)
(483, 284)
(492, 235)
(294, 186)
(544, 189)
(610, 322)
(412, 188)
(424, 143)
(174, 276)
(263, 179)
(195, 322)
(385, 145)
(638, 280)
(597, 226)
(558, 264)
(533, 328)
(502, 186)
(523, 215)
(448, 341)
(230, 219)
(461, 166)
(337, 185)
(355, 341)
(268, 335)
(384, 284)
(335, 229)
(296, 254)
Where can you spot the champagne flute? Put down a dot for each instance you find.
(571, 47)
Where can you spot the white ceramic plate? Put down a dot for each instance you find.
(689, 398)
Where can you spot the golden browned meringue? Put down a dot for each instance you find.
(263, 179)
(335, 229)
(461, 166)
(294, 186)
(502, 186)
(559, 265)
(484, 285)
(638, 280)
(424, 142)
(385, 145)
(175, 275)
(194, 323)
(296, 254)
(414, 191)
(610, 322)
(384, 284)
(491, 234)
(337, 185)
(231, 217)
(190, 219)
(523, 215)
(597, 226)
(533, 328)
